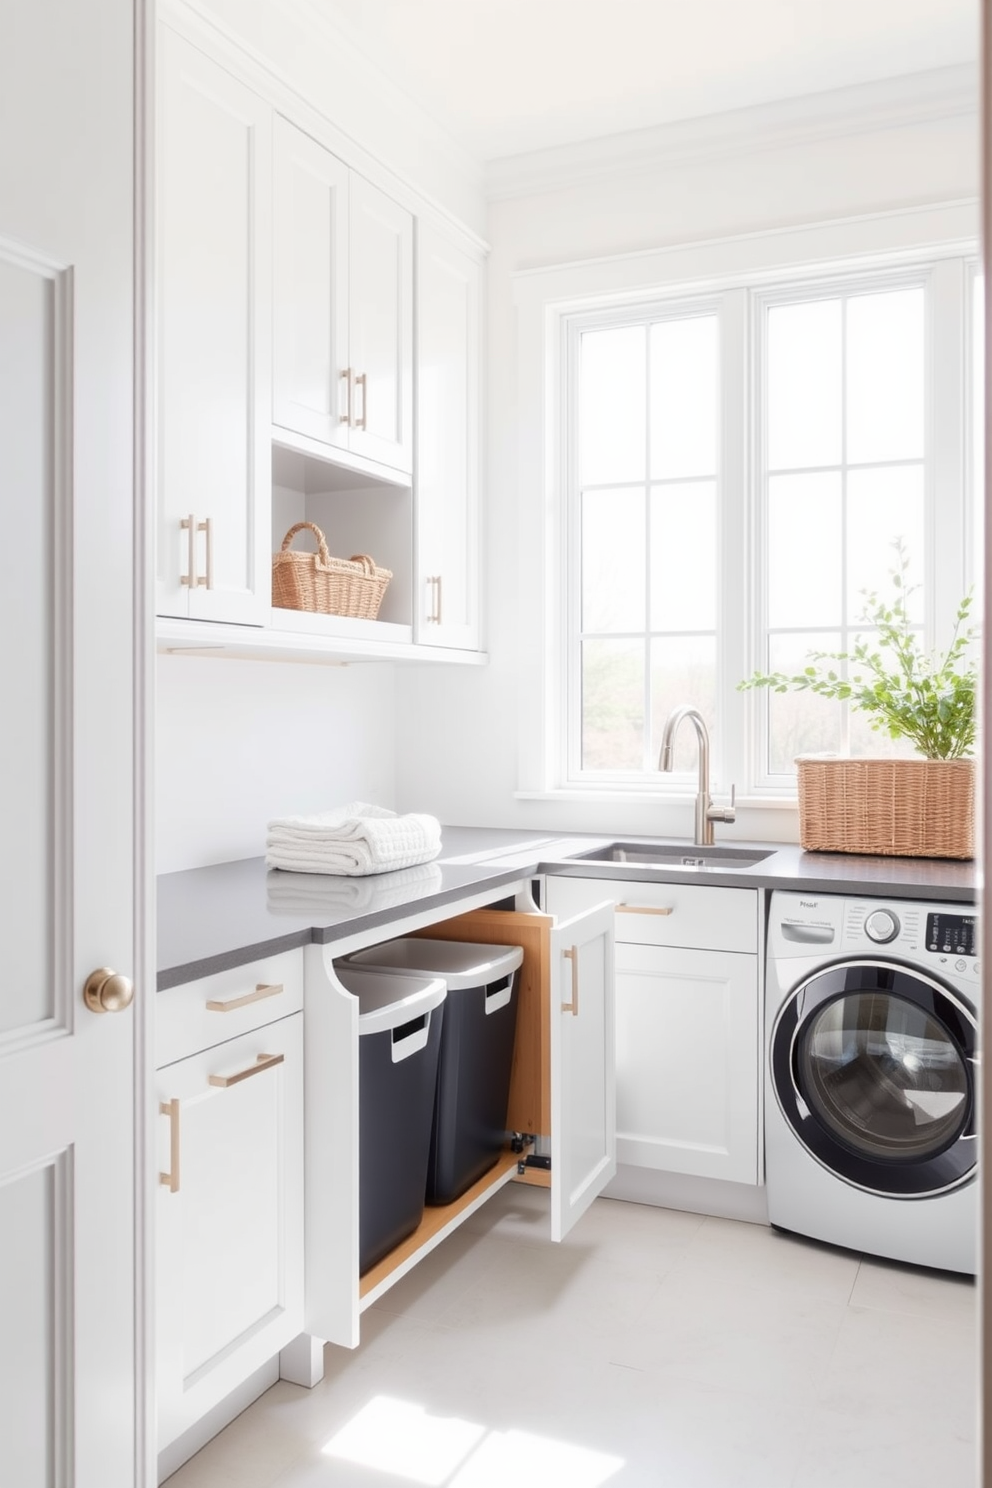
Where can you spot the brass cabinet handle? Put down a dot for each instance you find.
(188, 525)
(655, 909)
(207, 529)
(345, 418)
(262, 990)
(572, 954)
(193, 580)
(262, 1062)
(171, 1179)
(362, 381)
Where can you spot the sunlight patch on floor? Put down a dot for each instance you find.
(395, 1436)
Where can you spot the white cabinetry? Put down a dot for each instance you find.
(343, 307)
(229, 1252)
(214, 160)
(561, 1087)
(687, 1023)
(449, 285)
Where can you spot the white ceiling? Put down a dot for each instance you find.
(509, 76)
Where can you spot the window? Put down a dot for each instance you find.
(737, 471)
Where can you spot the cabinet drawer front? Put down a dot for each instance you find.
(667, 914)
(217, 1008)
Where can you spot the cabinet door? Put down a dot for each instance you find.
(583, 1104)
(310, 288)
(230, 1217)
(214, 340)
(380, 272)
(447, 476)
(687, 1061)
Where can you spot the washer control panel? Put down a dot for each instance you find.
(939, 937)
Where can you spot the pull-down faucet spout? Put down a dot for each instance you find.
(706, 812)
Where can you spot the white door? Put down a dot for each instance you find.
(312, 383)
(688, 1063)
(214, 294)
(447, 484)
(67, 745)
(380, 275)
(583, 1101)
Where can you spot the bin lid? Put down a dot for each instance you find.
(461, 963)
(388, 1000)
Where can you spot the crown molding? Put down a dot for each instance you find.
(891, 103)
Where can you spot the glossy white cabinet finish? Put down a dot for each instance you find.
(449, 289)
(343, 306)
(214, 163)
(688, 1067)
(229, 1251)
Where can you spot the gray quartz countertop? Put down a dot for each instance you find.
(214, 918)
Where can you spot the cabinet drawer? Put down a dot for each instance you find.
(667, 914)
(217, 1008)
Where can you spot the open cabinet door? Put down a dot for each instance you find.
(583, 1085)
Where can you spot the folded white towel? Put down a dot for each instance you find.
(352, 840)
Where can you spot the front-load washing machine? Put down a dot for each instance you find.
(871, 1052)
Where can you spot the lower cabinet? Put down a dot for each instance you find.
(561, 1089)
(229, 1251)
(687, 1024)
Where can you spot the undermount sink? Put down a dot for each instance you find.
(675, 855)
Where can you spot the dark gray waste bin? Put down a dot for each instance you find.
(399, 1037)
(473, 1085)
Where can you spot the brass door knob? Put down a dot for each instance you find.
(106, 992)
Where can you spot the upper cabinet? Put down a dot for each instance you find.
(343, 308)
(290, 386)
(214, 340)
(449, 288)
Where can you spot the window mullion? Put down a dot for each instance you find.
(735, 546)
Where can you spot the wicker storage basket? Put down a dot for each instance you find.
(326, 585)
(916, 808)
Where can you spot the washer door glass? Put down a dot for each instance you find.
(884, 1076)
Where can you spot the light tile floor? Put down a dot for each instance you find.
(653, 1349)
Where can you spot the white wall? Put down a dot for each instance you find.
(239, 742)
(463, 754)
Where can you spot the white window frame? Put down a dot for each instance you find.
(544, 298)
(740, 746)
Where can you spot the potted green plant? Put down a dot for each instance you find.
(920, 806)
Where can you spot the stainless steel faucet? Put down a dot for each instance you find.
(706, 812)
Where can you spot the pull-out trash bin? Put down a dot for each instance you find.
(399, 1037)
(473, 1084)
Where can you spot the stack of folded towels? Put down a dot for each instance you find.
(352, 840)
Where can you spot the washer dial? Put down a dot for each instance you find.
(881, 926)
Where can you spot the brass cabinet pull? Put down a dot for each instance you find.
(656, 909)
(206, 528)
(345, 418)
(262, 1062)
(171, 1179)
(193, 580)
(188, 525)
(362, 381)
(572, 954)
(262, 990)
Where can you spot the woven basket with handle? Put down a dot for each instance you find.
(916, 808)
(328, 586)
